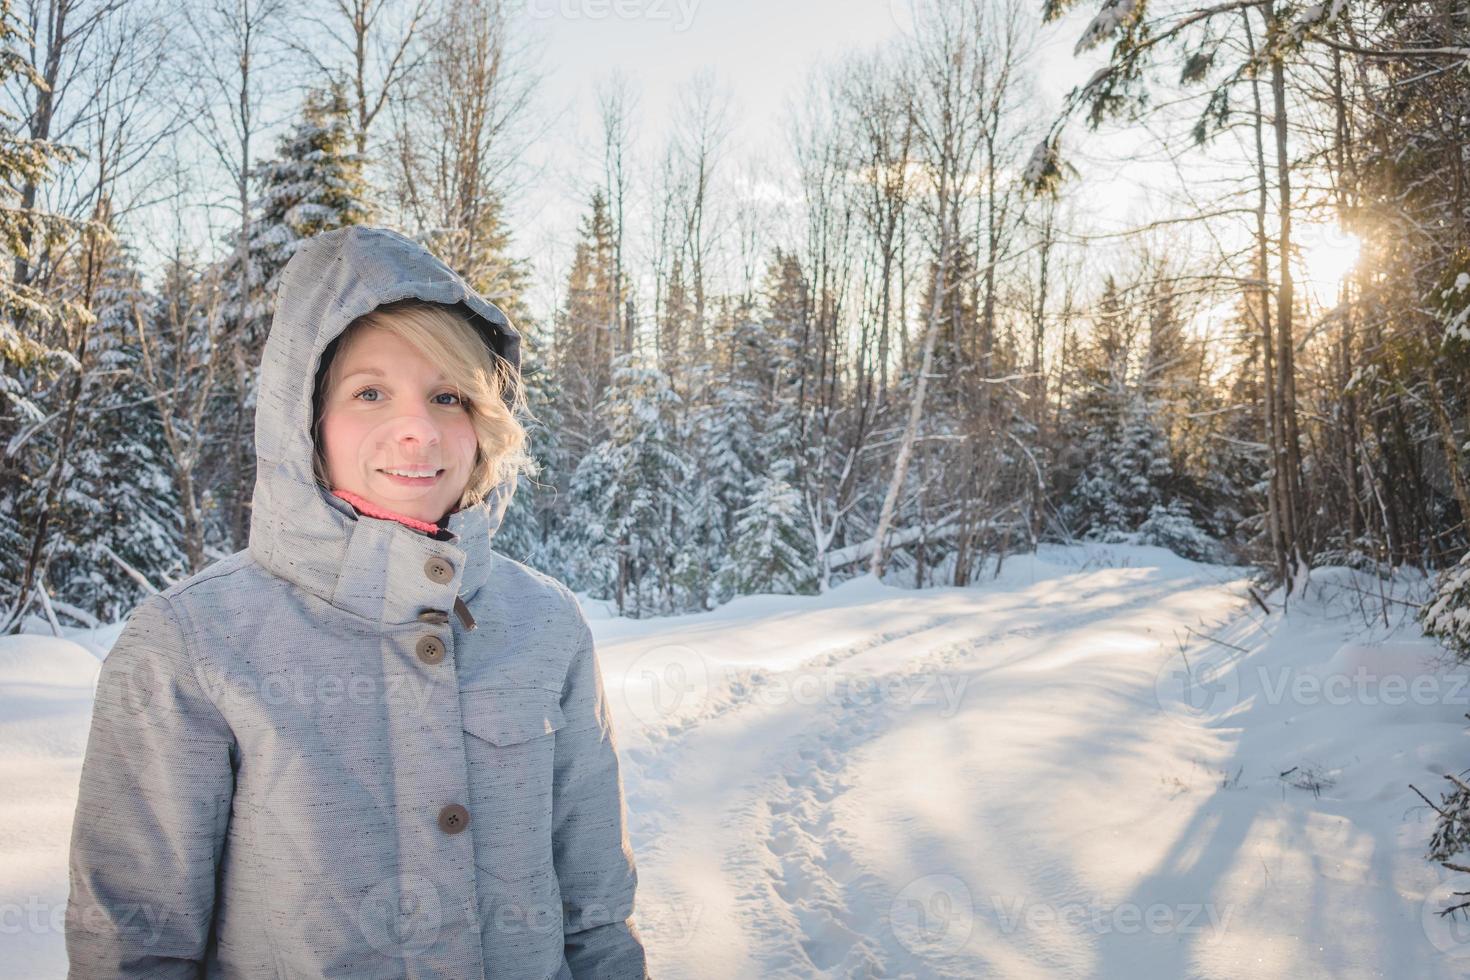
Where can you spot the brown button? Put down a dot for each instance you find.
(439, 570)
(437, 617)
(430, 650)
(453, 818)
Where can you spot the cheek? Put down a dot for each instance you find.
(462, 437)
(340, 439)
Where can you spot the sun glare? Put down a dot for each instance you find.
(1327, 257)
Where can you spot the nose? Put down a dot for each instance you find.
(413, 432)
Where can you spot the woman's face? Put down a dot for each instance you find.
(393, 429)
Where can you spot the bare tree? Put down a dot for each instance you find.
(376, 40)
(617, 104)
(702, 126)
(462, 125)
(942, 80)
(184, 352)
(236, 62)
(60, 56)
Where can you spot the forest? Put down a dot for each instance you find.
(917, 354)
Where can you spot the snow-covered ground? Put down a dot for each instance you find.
(1072, 770)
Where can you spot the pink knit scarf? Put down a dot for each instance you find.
(371, 509)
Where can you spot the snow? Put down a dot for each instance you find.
(1113, 15)
(1036, 165)
(1106, 762)
(1317, 16)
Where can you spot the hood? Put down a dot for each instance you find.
(298, 530)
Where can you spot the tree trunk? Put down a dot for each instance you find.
(1295, 511)
(916, 408)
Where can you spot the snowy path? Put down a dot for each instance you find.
(1009, 780)
(994, 782)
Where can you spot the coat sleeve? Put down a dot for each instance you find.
(594, 859)
(152, 810)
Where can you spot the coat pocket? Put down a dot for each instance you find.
(510, 746)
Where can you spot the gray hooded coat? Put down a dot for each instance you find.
(304, 762)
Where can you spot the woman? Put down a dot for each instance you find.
(367, 745)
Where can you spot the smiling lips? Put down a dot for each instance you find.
(412, 476)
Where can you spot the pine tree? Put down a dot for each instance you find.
(769, 549)
(585, 332)
(567, 400)
(1120, 456)
(777, 358)
(628, 495)
(44, 336)
(314, 184)
(122, 537)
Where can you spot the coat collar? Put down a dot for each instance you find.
(376, 569)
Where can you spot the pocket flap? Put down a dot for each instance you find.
(506, 715)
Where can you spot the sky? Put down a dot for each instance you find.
(759, 55)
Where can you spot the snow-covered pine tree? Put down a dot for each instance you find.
(1446, 616)
(1232, 455)
(773, 353)
(771, 544)
(1174, 379)
(313, 184)
(567, 375)
(628, 495)
(122, 537)
(187, 354)
(770, 549)
(1119, 457)
(40, 332)
(532, 529)
(720, 425)
(585, 340)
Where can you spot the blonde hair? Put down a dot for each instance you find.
(490, 388)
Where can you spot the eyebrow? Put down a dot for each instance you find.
(379, 374)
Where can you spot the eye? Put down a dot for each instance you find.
(450, 394)
(361, 391)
